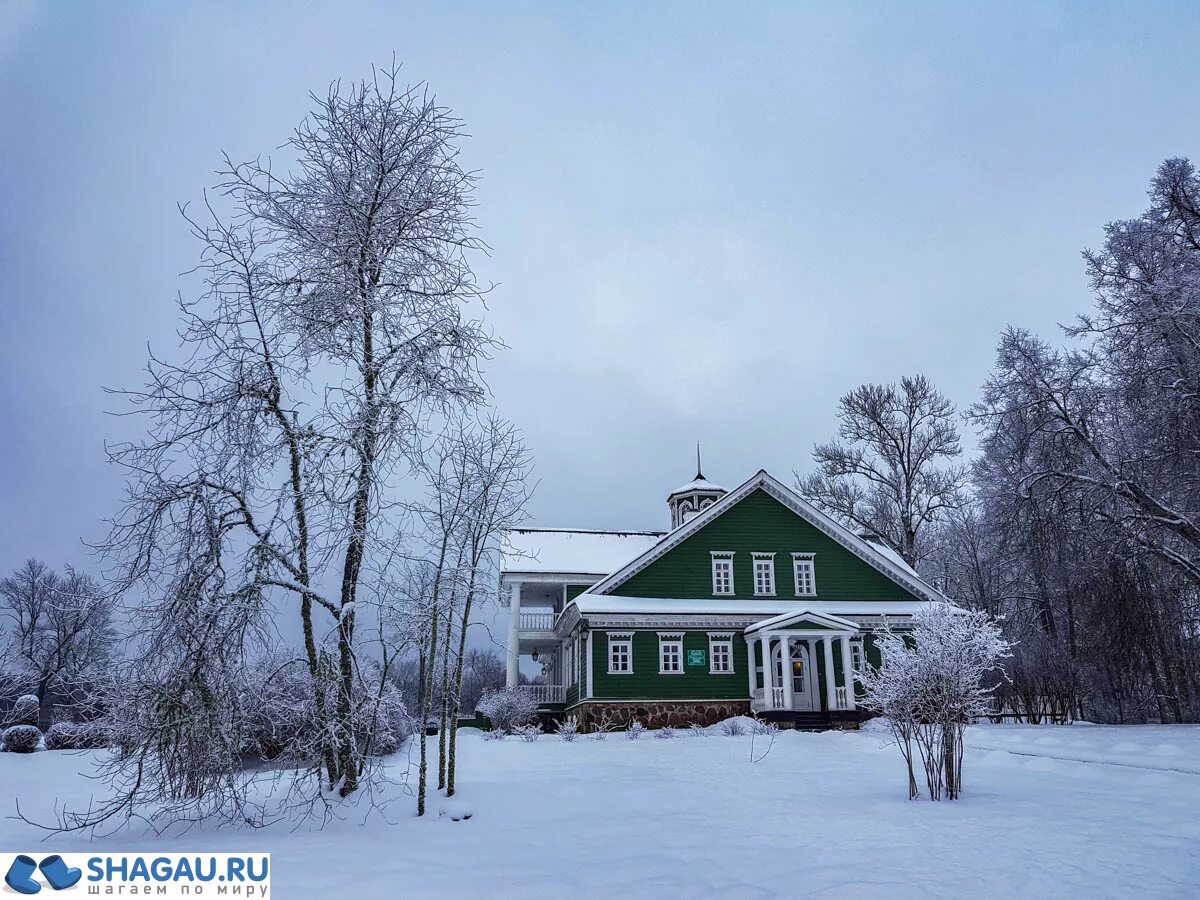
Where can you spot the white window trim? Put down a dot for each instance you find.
(768, 558)
(722, 556)
(670, 637)
(720, 637)
(858, 656)
(797, 559)
(620, 637)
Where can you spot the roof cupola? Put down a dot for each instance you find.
(694, 497)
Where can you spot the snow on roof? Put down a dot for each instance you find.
(893, 557)
(570, 550)
(589, 603)
(699, 483)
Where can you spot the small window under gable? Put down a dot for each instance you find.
(764, 574)
(670, 654)
(620, 653)
(722, 572)
(805, 571)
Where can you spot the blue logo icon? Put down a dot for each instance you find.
(54, 869)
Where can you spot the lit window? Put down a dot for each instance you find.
(857, 659)
(722, 573)
(720, 654)
(806, 574)
(670, 654)
(764, 574)
(620, 654)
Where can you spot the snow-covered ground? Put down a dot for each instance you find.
(1046, 812)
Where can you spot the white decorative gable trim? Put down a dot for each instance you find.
(826, 620)
(793, 501)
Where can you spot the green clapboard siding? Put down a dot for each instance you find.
(574, 590)
(761, 524)
(645, 683)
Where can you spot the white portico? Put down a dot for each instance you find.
(790, 650)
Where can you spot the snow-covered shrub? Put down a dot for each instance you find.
(665, 734)
(383, 743)
(508, 709)
(62, 736)
(696, 730)
(25, 711)
(21, 738)
(568, 729)
(931, 684)
(600, 735)
(733, 727)
(528, 733)
(635, 730)
(494, 734)
(762, 726)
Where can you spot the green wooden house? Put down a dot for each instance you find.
(754, 602)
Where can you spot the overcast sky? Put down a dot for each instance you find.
(707, 222)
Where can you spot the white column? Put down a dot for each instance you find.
(847, 671)
(830, 678)
(785, 654)
(514, 639)
(751, 668)
(768, 673)
(587, 664)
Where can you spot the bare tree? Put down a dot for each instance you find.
(890, 475)
(332, 323)
(59, 634)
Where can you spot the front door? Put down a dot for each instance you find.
(803, 687)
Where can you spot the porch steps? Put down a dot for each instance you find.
(799, 721)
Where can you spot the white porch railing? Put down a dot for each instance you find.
(538, 621)
(840, 696)
(545, 694)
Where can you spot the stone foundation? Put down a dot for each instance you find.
(618, 714)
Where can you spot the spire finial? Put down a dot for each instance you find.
(699, 471)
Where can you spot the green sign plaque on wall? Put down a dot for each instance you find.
(695, 657)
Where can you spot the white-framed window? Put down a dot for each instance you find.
(620, 653)
(670, 654)
(858, 657)
(720, 653)
(764, 574)
(722, 572)
(804, 570)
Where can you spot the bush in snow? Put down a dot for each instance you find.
(931, 684)
(528, 733)
(636, 730)
(568, 729)
(762, 726)
(25, 711)
(733, 728)
(21, 738)
(508, 709)
(696, 730)
(494, 734)
(383, 743)
(62, 736)
(665, 734)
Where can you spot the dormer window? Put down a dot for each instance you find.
(764, 574)
(722, 573)
(805, 572)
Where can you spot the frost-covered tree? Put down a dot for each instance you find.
(333, 318)
(932, 682)
(892, 474)
(58, 636)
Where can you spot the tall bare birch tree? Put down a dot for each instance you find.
(334, 319)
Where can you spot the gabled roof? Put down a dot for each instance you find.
(762, 480)
(820, 619)
(572, 551)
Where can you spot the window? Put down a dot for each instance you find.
(764, 574)
(720, 654)
(620, 654)
(722, 572)
(858, 660)
(670, 654)
(805, 571)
